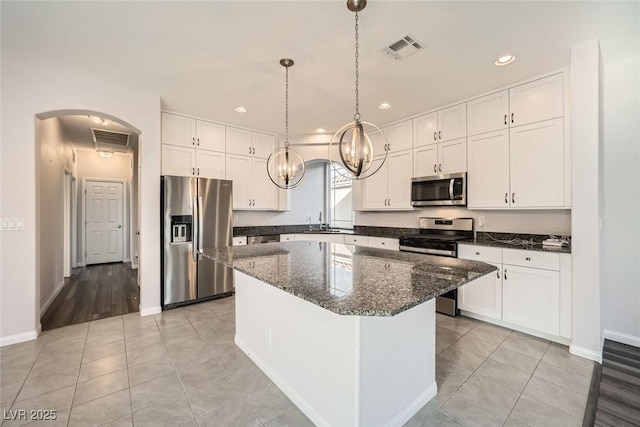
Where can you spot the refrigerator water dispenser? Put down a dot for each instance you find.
(181, 228)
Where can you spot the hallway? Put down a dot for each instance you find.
(92, 293)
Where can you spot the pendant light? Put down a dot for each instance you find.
(285, 166)
(353, 140)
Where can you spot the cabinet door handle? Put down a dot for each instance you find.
(505, 119)
(498, 273)
(513, 197)
(198, 142)
(434, 136)
(249, 150)
(506, 197)
(477, 253)
(249, 202)
(505, 274)
(440, 167)
(193, 171)
(389, 205)
(512, 118)
(198, 171)
(528, 258)
(439, 134)
(435, 168)
(193, 140)
(254, 150)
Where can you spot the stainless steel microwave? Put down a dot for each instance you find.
(439, 190)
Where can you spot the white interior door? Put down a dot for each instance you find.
(104, 222)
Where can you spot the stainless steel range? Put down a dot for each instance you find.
(440, 236)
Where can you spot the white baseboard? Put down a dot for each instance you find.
(18, 338)
(301, 403)
(126, 260)
(82, 264)
(53, 296)
(585, 353)
(622, 338)
(151, 310)
(414, 407)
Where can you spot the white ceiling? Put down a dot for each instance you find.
(205, 58)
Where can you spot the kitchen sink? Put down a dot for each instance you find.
(329, 231)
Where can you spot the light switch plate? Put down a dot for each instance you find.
(12, 224)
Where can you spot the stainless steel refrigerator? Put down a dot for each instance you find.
(196, 214)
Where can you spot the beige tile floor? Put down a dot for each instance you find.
(181, 367)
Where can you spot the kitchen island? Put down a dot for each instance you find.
(347, 333)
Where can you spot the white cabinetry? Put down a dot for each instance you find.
(517, 155)
(358, 240)
(192, 147)
(484, 295)
(247, 143)
(400, 136)
(390, 187)
(531, 102)
(439, 144)
(239, 241)
(531, 289)
(384, 243)
(252, 188)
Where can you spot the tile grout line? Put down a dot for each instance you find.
(75, 386)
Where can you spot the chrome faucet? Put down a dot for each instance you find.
(321, 225)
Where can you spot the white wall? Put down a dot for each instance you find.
(117, 167)
(135, 185)
(306, 199)
(32, 86)
(54, 153)
(620, 245)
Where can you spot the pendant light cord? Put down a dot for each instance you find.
(286, 109)
(356, 116)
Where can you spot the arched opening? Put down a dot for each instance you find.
(87, 216)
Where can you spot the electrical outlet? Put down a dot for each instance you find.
(235, 217)
(480, 221)
(373, 219)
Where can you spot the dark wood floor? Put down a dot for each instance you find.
(92, 293)
(618, 395)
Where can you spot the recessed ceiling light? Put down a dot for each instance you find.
(105, 154)
(384, 106)
(240, 110)
(320, 130)
(504, 60)
(100, 120)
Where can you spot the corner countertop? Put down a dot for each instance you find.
(351, 280)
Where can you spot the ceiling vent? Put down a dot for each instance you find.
(106, 140)
(405, 46)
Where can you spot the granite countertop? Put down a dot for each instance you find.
(530, 242)
(351, 280)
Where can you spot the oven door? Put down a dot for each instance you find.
(439, 190)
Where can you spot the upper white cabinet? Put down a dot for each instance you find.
(252, 188)
(390, 187)
(489, 113)
(528, 103)
(443, 125)
(400, 136)
(441, 158)
(248, 143)
(488, 174)
(192, 147)
(536, 101)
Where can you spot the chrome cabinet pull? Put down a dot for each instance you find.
(505, 274)
(528, 258)
(434, 136)
(198, 171)
(193, 171)
(435, 168)
(498, 273)
(512, 118)
(193, 140)
(477, 253)
(198, 142)
(505, 119)
(506, 197)
(249, 150)
(389, 205)
(440, 167)
(439, 134)
(254, 151)
(513, 197)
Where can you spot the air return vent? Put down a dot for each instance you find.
(110, 141)
(403, 47)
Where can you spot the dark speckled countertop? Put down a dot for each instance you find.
(351, 280)
(530, 242)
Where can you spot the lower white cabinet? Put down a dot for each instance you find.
(239, 241)
(321, 237)
(390, 187)
(287, 237)
(384, 243)
(531, 298)
(358, 240)
(484, 295)
(531, 290)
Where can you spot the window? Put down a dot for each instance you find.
(340, 198)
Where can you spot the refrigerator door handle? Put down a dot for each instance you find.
(196, 230)
(200, 237)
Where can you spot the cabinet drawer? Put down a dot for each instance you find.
(384, 243)
(356, 240)
(287, 237)
(533, 259)
(480, 253)
(239, 241)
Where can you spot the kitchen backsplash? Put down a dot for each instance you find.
(556, 222)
